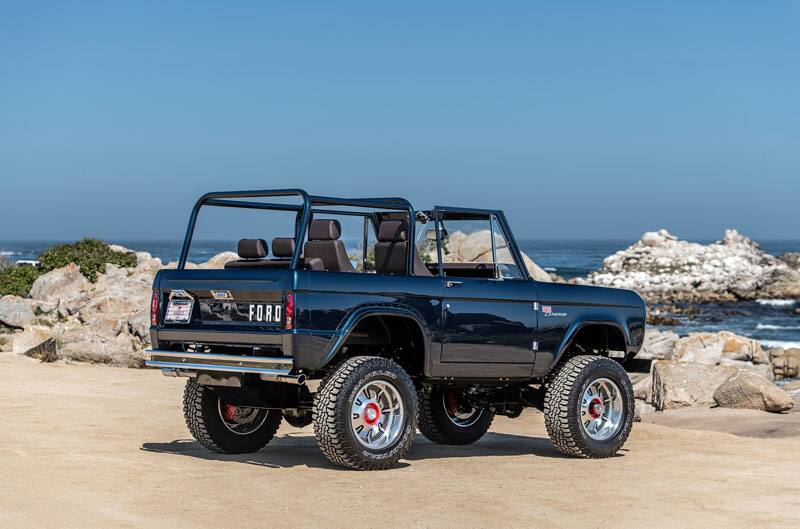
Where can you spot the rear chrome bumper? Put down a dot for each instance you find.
(176, 363)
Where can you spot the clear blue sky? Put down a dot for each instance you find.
(580, 119)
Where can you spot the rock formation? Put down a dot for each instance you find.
(664, 269)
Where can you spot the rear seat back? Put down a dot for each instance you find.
(283, 247)
(252, 253)
(252, 248)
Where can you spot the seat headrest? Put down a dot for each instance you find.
(393, 231)
(252, 248)
(324, 230)
(283, 246)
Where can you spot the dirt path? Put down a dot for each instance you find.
(92, 447)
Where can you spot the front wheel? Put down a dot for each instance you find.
(445, 417)
(223, 427)
(365, 414)
(588, 407)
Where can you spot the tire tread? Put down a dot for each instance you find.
(559, 407)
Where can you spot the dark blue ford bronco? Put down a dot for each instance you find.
(369, 319)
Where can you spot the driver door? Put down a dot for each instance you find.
(488, 314)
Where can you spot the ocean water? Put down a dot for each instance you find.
(771, 321)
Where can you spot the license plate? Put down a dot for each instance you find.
(179, 311)
(265, 312)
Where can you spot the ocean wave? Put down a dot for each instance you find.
(771, 327)
(7, 253)
(777, 302)
(549, 269)
(780, 343)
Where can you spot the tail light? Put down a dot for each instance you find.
(289, 309)
(154, 309)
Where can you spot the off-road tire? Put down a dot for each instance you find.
(297, 418)
(200, 409)
(333, 408)
(434, 423)
(562, 402)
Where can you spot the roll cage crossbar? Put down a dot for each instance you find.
(310, 205)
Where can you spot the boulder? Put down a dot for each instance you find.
(219, 260)
(658, 345)
(765, 370)
(677, 385)
(792, 387)
(58, 284)
(785, 362)
(641, 408)
(96, 349)
(30, 338)
(16, 312)
(749, 390)
(703, 348)
(643, 389)
(742, 348)
(792, 259)
(139, 325)
(664, 269)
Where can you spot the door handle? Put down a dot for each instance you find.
(450, 284)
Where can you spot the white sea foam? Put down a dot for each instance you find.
(6, 252)
(780, 343)
(549, 269)
(771, 327)
(777, 302)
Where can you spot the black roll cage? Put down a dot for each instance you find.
(311, 204)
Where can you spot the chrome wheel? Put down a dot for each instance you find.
(239, 419)
(601, 409)
(378, 416)
(461, 416)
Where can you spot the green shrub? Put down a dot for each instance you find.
(18, 280)
(90, 254)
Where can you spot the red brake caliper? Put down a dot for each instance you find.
(452, 403)
(228, 412)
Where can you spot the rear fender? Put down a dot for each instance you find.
(576, 327)
(355, 317)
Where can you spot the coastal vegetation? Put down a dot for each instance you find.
(90, 254)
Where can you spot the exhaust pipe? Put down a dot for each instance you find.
(298, 380)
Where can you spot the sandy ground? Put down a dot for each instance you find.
(93, 447)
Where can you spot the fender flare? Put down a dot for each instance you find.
(356, 316)
(576, 326)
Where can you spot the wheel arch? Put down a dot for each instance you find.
(362, 315)
(610, 333)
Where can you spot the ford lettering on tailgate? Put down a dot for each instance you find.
(214, 311)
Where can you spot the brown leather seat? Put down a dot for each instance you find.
(323, 243)
(283, 250)
(283, 247)
(391, 250)
(252, 253)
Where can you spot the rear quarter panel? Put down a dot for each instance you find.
(327, 303)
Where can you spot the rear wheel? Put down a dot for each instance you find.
(365, 414)
(297, 418)
(445, 417)
(226, 428)
(588, 407)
